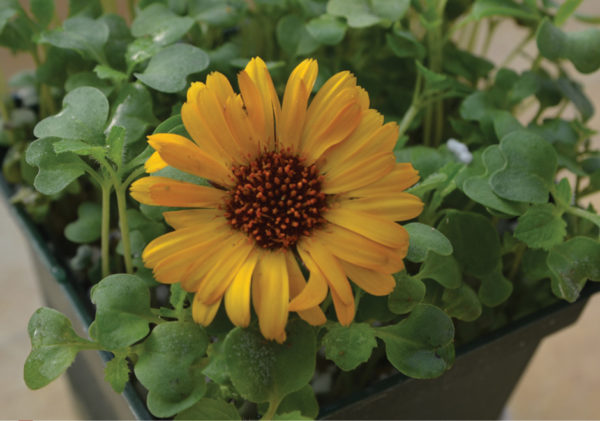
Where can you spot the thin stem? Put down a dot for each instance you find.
(105, 229)
(270, 414)
(492, 25)
(517, 50)
(3, 110)
(124, 226)
(517, 262)
(473, 38)
(582, 213)
(131, 9)
(133, 176)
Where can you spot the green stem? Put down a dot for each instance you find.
(412, 111)
(517, 50)
(473, 38)
(131, 9)
(136, 173)
(517, 262)
(582, 213)
(120, 191)
(492, 25)
(105, 229)
(270, 414)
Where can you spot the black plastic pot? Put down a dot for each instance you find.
(477, 387)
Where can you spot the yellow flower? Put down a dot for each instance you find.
(292, 184)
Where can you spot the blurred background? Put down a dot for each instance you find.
(561, 382)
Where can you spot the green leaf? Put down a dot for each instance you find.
(115, 141)
(116, 372)
(505, 123)
(407, 294)
(81, 79)
(564, 194)
(79, 148)
(160, 24)
(462, 303)
(424, 238)
(302, 400)
(7, 12)
(533, 265)
(122, 310)
(404, 44)
(132, 110)
(573, 93)
(167, 367)
(293, 37)
(139, 51)
(209, 409)
(565, 11)
(349, 346)
(217, 369)
(82, 34)
(475, 241)
(530, 168)
(55, 171)
(495, 289)
(390, 9)
(486, 8)
(169, 68)
(86, 228)
(43, 10)
(54, 346)
(106, 72)
(83, 117)
(217, 12)
(572, 264)
(264, 371)
(420, 346)
(357, 12)
(290, 416)
(326, 29)
(442, 269)
(542, 226)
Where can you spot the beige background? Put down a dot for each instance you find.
(562, 381)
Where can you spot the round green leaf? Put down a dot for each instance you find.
(54, 346)
(264, 371)
(420, 346)
(162, 25)
(132, 110)
(542, 226)
(462, 303)
(82, 34)
(87, 227)
(495, 289)
(83, 117)
(530, 168)
(209, 409)
(443, 269)
(407, 294)
(357, 12)
(572, 264)
(349, 346)
(122, 310)
(424, 238)
(475, 241)
(293, 36)
(326, 29)
(302, 400)
(166, 367)
(169, 68)
(116, 372)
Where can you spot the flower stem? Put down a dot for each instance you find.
(273, 405)
(582, 213)
(105, 229)
(124, 226)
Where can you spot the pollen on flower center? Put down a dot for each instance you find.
(277, 200)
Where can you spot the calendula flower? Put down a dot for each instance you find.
(291, 185)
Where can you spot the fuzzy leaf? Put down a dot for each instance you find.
(160, 24)
(86, 228)
(407, 294)
(82, 34)
(349, 346)
(209, 409)
(116, 373)
(424, 238)
(542, 226)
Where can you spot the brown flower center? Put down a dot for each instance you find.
(277, 200)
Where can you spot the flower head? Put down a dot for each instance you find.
(292, 184)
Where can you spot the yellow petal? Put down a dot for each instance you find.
(194, 217)
(344, 311)
(272, 294)
(196, 126)
(237, 296)
(329, 266)
(173, 268)
(336, 122)
(181, 239)
(241, 127)
(154, 163)
(399, 207)
(370, 122)
(162, 191)
(295, 101)
(255, 109)
(181, 153)
(314, 316)
(383, 231)
(354, 248)
(202, 313)
(327, 92)
(314, 292)
(399, 179)
(219, 84)
(375, 283)
(193, 278)
(258, 72)
(219, 277)
(358, 173)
